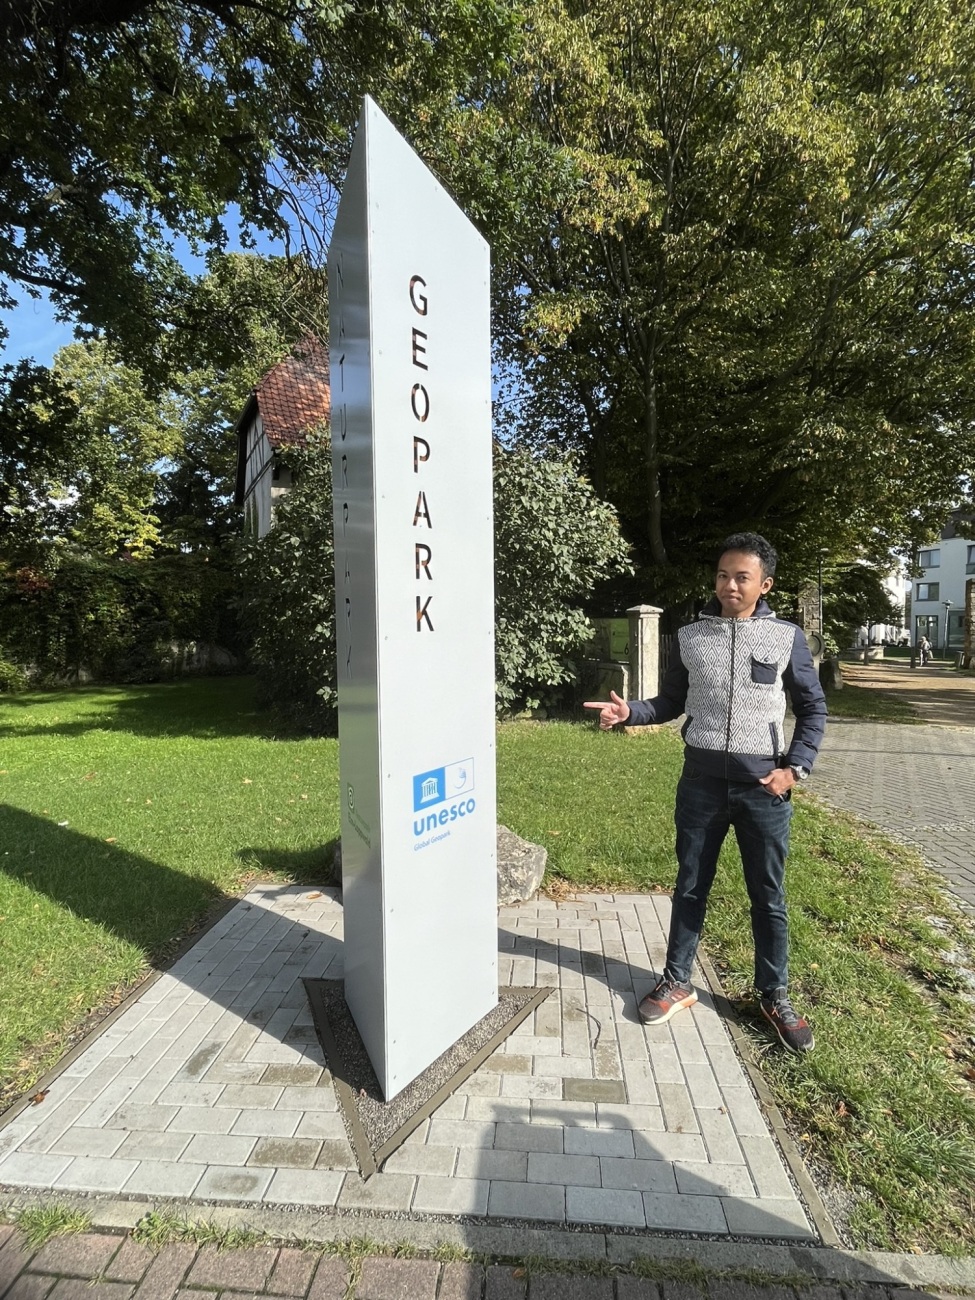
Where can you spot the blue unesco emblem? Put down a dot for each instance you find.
(442, 796)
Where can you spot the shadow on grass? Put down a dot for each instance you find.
(147, 904)
(208, 708)
(139, 900)
(321, 865)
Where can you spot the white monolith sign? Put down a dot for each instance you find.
(411, 447)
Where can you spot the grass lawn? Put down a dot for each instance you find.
(127, 814)
(174, 796)
(870, 704)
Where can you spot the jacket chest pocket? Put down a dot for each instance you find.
(764, 673)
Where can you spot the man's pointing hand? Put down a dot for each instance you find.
(611, 711)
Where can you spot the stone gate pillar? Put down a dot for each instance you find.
(644, 623)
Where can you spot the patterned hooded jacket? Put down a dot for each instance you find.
(731, 677)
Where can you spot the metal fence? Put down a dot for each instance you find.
(666, 650)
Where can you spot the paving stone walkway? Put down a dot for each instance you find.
(915, 782)
(210, 1088)
(107, 1266)
(938, 694)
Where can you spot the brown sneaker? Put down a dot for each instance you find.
(794, 1031)
(664, 1001)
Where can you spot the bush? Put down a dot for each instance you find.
(289, 597)
(113, 619)
(12, 677)
(554, 539)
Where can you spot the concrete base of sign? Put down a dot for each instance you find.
(376, 1127)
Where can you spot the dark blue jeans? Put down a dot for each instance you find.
(707, 806)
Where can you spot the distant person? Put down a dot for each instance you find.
(731, 674)
(925, 650)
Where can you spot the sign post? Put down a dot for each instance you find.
(412, 482)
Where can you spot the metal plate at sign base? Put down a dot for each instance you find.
(414, 560)
(377, 1128)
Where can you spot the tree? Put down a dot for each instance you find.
(855, 597)
(98, 454)
(554, 541)
(38, 440)
(123, 437)
(125, 122)
(81, 446)
(733, 264)
(117, 487)
(289, 597)
(243, 317)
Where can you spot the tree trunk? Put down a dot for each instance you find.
(658, 552)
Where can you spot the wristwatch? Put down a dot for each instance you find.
(799, 772)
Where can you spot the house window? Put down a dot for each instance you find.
(970, 565)
(955, 629)
(929, 559)
(928, 591)
(926, 625)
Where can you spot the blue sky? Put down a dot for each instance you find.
(34, 331)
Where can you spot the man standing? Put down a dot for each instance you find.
(731, 673)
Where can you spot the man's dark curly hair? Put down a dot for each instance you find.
(753, 544)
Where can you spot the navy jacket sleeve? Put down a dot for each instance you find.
(801, 681)
(666, 706)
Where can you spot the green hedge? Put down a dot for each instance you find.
(113, 619)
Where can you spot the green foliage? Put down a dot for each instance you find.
(159, 1228)
(554, 540)
(289, 596)
(38, 440)
(38, 1224)
(120, 125)
(117, 487)
(732, 265)
(80, 444)
(113, 619)
(124, 435)
(242, 318)
(12, 676)
(855, 597)
(109, 457)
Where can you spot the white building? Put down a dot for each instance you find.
(940, 590)
(291, 399)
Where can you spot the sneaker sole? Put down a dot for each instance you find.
(796, 1051)
(668, 1015)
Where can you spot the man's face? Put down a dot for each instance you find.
(739, 585)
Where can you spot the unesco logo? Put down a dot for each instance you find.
(443, 795)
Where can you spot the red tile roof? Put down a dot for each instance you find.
(295, 395)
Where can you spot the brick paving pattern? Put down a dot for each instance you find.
(938, 694)
(211, 1088)
(101, 1266)
(915, 782)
